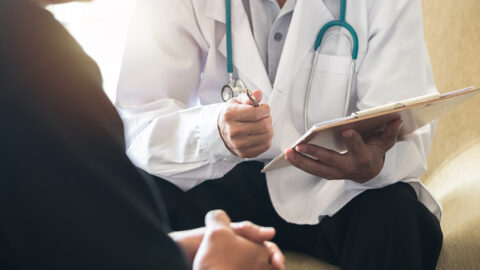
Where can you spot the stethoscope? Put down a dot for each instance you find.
(236, 87)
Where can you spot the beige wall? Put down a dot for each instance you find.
(452, 32)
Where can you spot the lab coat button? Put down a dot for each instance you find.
(278, 36)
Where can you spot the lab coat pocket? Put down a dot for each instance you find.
(327, 96)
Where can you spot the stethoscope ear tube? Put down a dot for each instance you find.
(345, 25)
(318, 42)
(349, 89)
(309, 87)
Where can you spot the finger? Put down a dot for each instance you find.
(255, 151)
(253, 232)
(355, 143)
(190, 234)
(245, 113)
(242, 129)
(258, 95)
(390, 136)
(326, 156)
(251, 141)
(217, 219)
(277, 259)
(311, 166)
(190, 240)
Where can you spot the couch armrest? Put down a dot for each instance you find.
(456, 183)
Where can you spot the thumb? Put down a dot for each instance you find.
(217, 219)
(258, 95)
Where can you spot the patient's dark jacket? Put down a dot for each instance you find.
(69, 196)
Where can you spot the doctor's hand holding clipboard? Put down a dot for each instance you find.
(363, 160)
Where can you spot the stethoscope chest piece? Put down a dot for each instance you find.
(233, 89)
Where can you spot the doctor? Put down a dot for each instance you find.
(365, 209)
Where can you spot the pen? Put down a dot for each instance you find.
(252, 98)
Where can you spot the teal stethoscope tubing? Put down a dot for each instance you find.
(228, 25)
(342, 23)
(318, 42)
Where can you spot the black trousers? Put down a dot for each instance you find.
(384, 228)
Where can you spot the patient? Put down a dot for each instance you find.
(69, 196)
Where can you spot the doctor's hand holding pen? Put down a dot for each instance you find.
(245, 126)
(363, 160)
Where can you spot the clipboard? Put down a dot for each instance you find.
(415, 113)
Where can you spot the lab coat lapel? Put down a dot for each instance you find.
(246, 57)
(308, 18)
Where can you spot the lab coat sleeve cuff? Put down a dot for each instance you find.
(210, 138)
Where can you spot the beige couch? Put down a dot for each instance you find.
(452, 31)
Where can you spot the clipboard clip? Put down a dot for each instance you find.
(395, 105)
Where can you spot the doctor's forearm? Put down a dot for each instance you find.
(183, 146)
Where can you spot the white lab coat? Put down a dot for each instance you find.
(175, 65)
